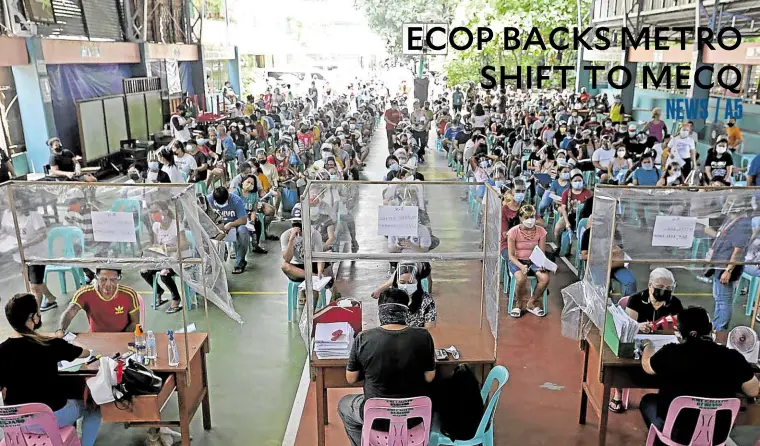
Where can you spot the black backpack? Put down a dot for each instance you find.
(136, 380)
(458, 402)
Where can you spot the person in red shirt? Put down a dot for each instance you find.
(573, 197)
(110, 307)
(392, 118)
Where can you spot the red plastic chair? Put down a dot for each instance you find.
(398, 411)
(703, 432)
(15, 421)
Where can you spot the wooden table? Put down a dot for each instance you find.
(621, 373)
(475, 345)
(192, 388)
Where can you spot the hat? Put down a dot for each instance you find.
(295, 213)
(632, 126)
(52, 140)
(576, 173)
(721, 138)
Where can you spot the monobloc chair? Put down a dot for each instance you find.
(398, 412)
(72, 237)
(533, 283)
(705, 429)
(484, 434)
(16, 421)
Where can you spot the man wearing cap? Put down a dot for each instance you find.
(292, 244)
(63, 162)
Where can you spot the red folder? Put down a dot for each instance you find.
(333, 313)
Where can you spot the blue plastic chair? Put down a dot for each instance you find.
(190, 295)
(484, 434)
(135, 207)
(533, 283)
(754, 283)
(425, 285)
(72, 237)
(581, 227)
(293, 299)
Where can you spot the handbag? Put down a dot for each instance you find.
(139, 380)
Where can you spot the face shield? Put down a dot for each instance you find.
(406, 277)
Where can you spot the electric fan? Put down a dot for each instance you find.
(744, 340)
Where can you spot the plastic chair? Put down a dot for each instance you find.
(484, 434)
(533, 282)
(754, 284)
(16, 420)
(293, 293)
(141, 302)
(397, 411)
(72, 237)
(705, 428)
(135, 207)
(581, 226)
(231, 168)
(425, 285)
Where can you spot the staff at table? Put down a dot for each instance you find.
(30, 371)
(696, 367)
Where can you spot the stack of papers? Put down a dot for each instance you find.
(626, 327)
(333, 341)
(658, 341)
(539, 259)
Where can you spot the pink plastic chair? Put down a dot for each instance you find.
(15, 421)
(703, 433)
(398, 411)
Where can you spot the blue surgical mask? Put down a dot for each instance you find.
(153, 165)
(519, 196)
(564, 176)
(394, 167)
(498, 184)
(577, 185)
(647, 166)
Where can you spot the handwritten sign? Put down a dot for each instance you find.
(113, 227)
(397, 221)
(677, 232)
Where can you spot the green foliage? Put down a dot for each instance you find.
(386, 17)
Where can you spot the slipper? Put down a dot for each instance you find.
(515, 313)
(161, 301)
(172, 310)
(453, 352)
(536, 311)
(616, 406)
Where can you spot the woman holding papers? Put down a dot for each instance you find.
(166, 241)
(521, 240)
(648, 306)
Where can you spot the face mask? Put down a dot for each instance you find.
(564, 176)
(280, 157)
(498, 184)
(153, 165)
(662, 295)
(721, 149)
(577, 185)
(647, 166)
(247, 187)
(621, 153)
(731, 124)
(519, 196)
(630, 133)
(134, 176)
(155, 216)
(333, 177)
(484, 164)
(394, 167)
(410, 288)
(607, 124)
(684, 133)
(529, 222)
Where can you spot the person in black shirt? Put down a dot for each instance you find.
(719, 163)
(63, 162)
(696, 367)
(393, 360)
(31, 371)
(201, 160)
(6, 168)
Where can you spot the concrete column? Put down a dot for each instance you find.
(35, 105)
(233, 68)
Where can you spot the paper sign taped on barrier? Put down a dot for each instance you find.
(397, 221)
(113, 227)
(676, 232)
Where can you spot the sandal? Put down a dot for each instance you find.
(172, 310)
(537, 311)
(616, 406)
(515, 313)
(160, 301)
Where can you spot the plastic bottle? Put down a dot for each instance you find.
(77, 169)
(173, 351)
(139, 344)
(150, 346)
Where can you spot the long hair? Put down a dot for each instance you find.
(416, 297)
(479, 110)
(18, 310)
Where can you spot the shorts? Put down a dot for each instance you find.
(514, 268)
(36, 274)
(313, 269)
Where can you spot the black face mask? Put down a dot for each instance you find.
(134, 176)
(662, 295)
(730, 124)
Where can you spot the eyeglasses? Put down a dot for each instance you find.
(108, 279)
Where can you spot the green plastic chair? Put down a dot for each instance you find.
(533, 282)
(135, 207)
(484, 434)
(190, 294)
(72, 237)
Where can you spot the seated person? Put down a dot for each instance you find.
(292, 243)
(110, 307)
(557, 187)
(63, 163)
(250, 193)
(165, 237)
(695, 367)
(270, 172)
(571, 199)
(647, 174)
(34, 378)
(422, 312)
(521, 240)
(394, 361)
(205, 170)
(647, 307)
(231, 209)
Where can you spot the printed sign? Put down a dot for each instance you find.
(397, 221)
(113, 227)
(677, 232)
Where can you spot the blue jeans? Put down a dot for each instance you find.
(724, 301)
(626, 279)
(240, 157)
(74, 410)
(241, 245)
(545, 203)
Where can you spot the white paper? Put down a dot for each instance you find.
(65, 365)
(677, 232)
(316, 283)
(113, 227)
(539, 259)
(658, 340)
(191, 328)
(231, 236)
(397, 221)
(70, 337)
(555, 197)
(706, 220)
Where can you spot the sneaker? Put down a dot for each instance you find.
(705, 279)
(259, 250)
(48, 306)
